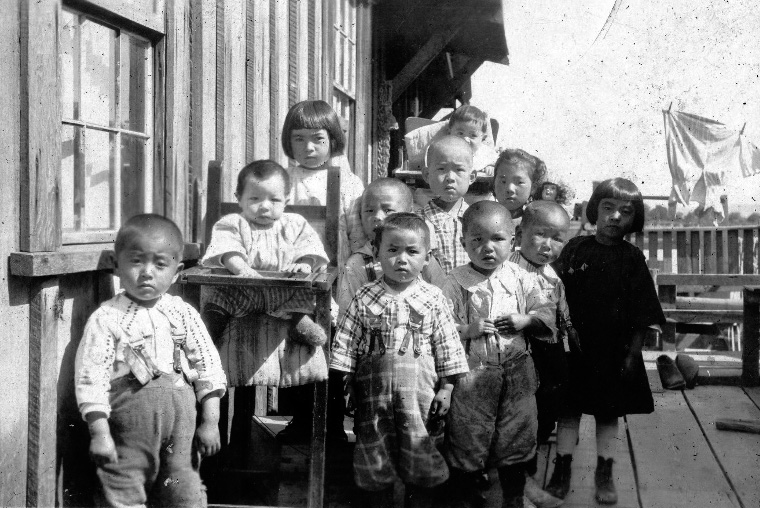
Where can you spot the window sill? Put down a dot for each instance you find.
(75, 260)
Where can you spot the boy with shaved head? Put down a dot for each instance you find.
(493, 409)
(448, 172)
(143, 364)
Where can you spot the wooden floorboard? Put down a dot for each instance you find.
(675, 465)
(754, 394)
(738, 453)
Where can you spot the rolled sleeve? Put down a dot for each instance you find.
(203, 357)
(539, 306)
(447, 348)
(93, 365)
(226, 237)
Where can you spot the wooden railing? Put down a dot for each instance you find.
(727, 249)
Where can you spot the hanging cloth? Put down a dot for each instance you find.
(701, 153)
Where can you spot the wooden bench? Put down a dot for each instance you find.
(708, 309)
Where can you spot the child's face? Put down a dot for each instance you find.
(449, 172)
(513, 185)
(377, 204)
(311, 147)
(403, 255)
(549, 192)
(263, 201)
(542, 241)
(469, 131)
(148, 265)
(615, 220)
(487, 242)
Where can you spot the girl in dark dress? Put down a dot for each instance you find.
(612, 302)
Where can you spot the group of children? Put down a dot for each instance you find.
(445, 321)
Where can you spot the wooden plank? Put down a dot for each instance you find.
(331, 209)
(725, 280)
(737, 453)
(704, 316)
(709, 255)
(87, 259)
(653, 262)
(257, 80)
(219, 276)
(582, 487)
(40, 202)
(723, 254)
(738, 425)
(667, 252)
(278, 77)
(751, 337)
(363, 125)
(748, 246)
(682, 252)
(44, 312)
(148, 15)
(159, 129)
(639, 241)
(696, 260)
(319, 419)
(302, 50)
(674, 463)
(753, 392)
(234, 130)
(732, 251)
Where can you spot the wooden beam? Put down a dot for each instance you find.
(257, 80)
(44, 312)
(278, 78)
(40, 203)
(449, 88)
(419, 62)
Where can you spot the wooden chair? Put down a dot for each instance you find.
(255, 349)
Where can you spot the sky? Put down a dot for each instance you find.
(590, 104)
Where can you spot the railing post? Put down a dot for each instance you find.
(751, 337)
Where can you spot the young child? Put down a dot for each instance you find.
(143, 362)
(471, 124)
(448, 172)
(398, 344)
(545, 226)
(612, 302)
(493, 410)
(313, 137)
(263, 237)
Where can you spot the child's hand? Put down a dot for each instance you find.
(207, 439)
(247, 271)
(512, 323)
(441, 401)
(478, 328)
(300, 268)
(629, 367)
(573, 340)
(103, 449)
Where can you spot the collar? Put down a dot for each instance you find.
(471, 280)
(417, 297)
(462, 206)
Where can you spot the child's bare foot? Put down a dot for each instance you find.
(306, 331)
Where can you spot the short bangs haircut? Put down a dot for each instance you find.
(313, 115)
(393, 186)
(617, 188)
(147, 223)
(261, 170)
(403, 221)
(467, 114)
(487, 209)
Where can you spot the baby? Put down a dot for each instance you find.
(471, 124)
(143, 364)
(263, 237)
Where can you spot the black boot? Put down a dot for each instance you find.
(559, 485)
(605, 486)
(512, 479)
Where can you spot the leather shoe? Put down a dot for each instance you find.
(670, 376)
(689, 369)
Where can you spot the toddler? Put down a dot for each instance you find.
(448, 172)
(263, 237)
(399, 345)
(612, 302)
(545, 226)
(493, 410)
(471, 124)
(144, 362)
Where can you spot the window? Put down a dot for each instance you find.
(344, 75)
(107, 127)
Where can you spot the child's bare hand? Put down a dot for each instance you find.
(248, 272)
(512, 323)
(478, 328)
(300, 268)
(207, 439)
(103, 449)
(573, 340)
(441, 402)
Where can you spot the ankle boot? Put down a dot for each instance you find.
(539, 497)
(512, 479)
(559, 484)
(605, 486)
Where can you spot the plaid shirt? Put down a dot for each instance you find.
(447, 248)
(553, 289)
(420, 312)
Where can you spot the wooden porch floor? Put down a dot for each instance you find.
(672, 458)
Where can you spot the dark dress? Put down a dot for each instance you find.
(610, 294)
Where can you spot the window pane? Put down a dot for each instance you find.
(136, 80)
(99, 181)
(69, 218)
(69, 65)
(100, 61)
(132, 176)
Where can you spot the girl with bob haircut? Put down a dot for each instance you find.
(313, 115)
(617, 188)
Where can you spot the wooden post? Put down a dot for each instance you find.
(751, 337)
(319, 419)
